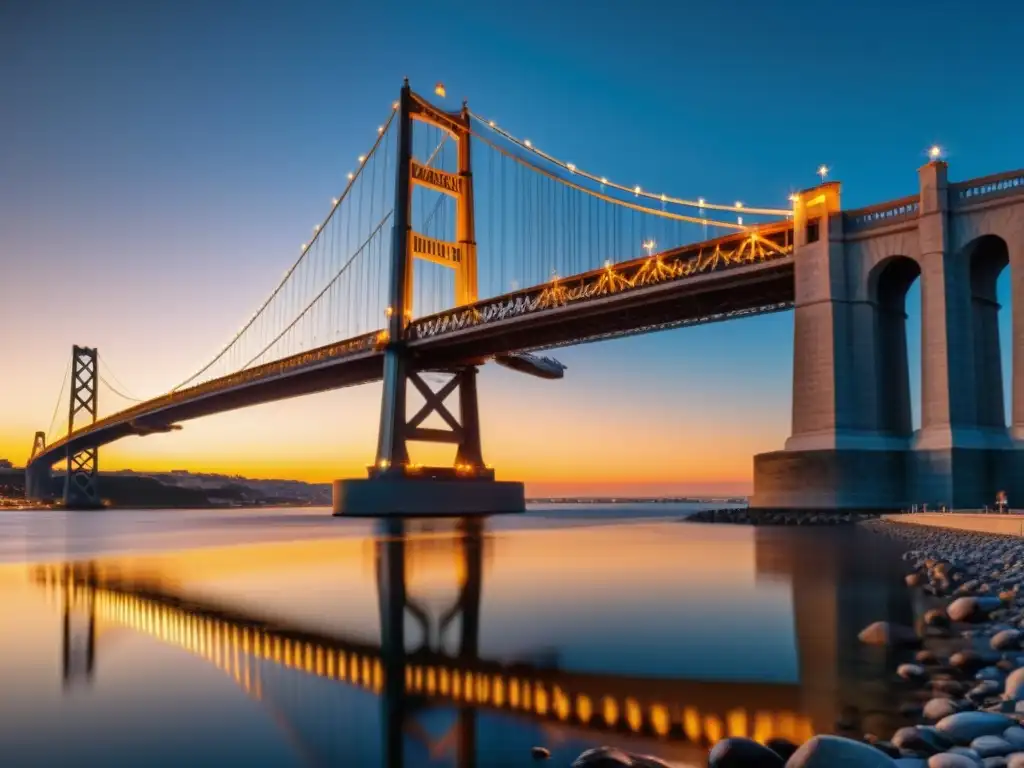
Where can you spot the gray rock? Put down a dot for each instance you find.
(936, 709)
(837, 752)
(989, 673)
(540, 753)
(994, 762)
(952, 760)
(910, 671)
(1007, 640)
(922, 739)
(742, 753)
(965, 727)
(972, 608)
(912, 762)
(1015, 735)
(1014, 688)
(610, 757)
(992, 746)
(885, 633)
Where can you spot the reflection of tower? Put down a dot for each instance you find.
(398, 707)
(78, 643)
(842, 579)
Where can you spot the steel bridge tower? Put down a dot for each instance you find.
(395, 486)
(81, 489)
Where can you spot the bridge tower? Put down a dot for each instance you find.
(394, 485)
(37, 476)
(80, 482)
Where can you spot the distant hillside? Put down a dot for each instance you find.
(181, 490)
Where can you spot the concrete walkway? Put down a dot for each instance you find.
(1012, 524)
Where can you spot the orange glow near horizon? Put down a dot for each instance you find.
(560, 438)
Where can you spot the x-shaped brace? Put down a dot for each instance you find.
(435, 404)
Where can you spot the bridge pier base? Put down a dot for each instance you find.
(392, 494)
(831, 479)
(38, 482)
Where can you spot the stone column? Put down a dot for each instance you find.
(950, 464)
(948, 411)
(819, 320)
(1016, 246)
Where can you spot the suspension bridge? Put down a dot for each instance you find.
(434, 260)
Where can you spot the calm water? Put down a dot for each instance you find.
(291, 638)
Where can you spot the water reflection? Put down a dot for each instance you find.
(435, 697)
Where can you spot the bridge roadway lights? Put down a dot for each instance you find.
(427, 492)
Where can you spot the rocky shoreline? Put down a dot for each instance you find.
(962, 670)
(781, 517)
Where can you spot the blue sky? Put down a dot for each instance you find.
(161, 161)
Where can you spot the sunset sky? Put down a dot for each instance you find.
(160, 162)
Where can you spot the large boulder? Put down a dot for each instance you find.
(837, 752)
(743, 753)
(965, 727)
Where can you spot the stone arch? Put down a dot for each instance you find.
(987, 256)
(888, 284)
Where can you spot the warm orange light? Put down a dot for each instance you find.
(439, 90)
(935, 152)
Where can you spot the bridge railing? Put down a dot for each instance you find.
(987, 187)
(768, 243)
(881, 215)
(341, 349)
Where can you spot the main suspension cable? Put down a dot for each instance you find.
(306, 248)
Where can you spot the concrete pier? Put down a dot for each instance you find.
(397, 495)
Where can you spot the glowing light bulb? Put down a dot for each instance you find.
(491, 123)
(362, 159)
(700, 201)
(334, 201)
(380, 129)
(394, 105)
(527, 142)
(935, 152)
(739, 204)
(571, 167)
(649, 246)
(604, 180)
(439, 90)
(664, 197)
(316, 227)
(351, 175)
(793, 198)
(303, 246)
(739, 220)
(636, 190)
(823, 171)
(608, 263)
(389, 311)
